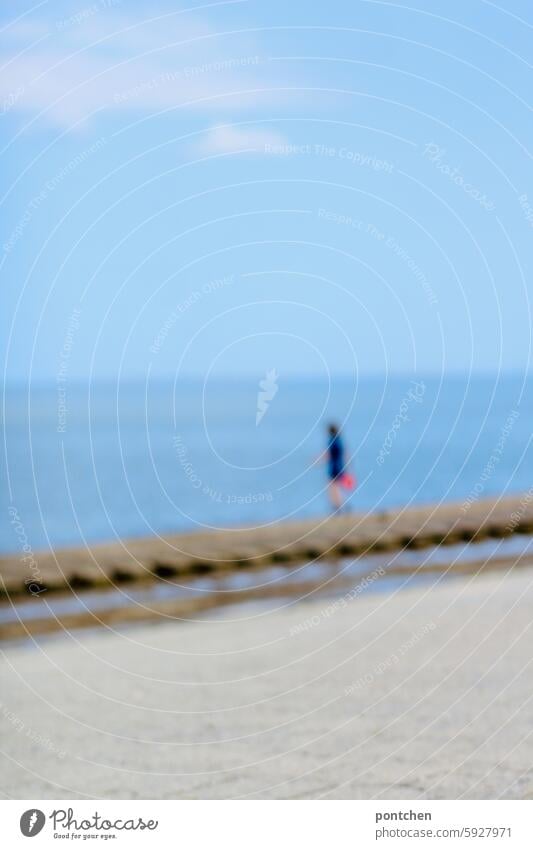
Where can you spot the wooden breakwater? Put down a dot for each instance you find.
(188, 554)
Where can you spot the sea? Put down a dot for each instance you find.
(83, 463)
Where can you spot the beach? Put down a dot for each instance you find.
(419, 693)
(266, 515)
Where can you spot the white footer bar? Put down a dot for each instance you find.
(267, 824)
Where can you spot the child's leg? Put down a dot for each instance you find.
(335, 495)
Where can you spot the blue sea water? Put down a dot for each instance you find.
(104, 461)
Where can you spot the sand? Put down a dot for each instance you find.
(426, 693)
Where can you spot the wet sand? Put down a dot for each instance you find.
(427, 692)
(185, 598)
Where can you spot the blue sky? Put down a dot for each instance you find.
(226, 188)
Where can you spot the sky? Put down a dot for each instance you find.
(222, 189)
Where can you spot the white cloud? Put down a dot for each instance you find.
(232, 139)
(70, 67)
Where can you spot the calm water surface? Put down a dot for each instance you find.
(102, 462)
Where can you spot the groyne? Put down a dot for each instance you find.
(176, 556)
